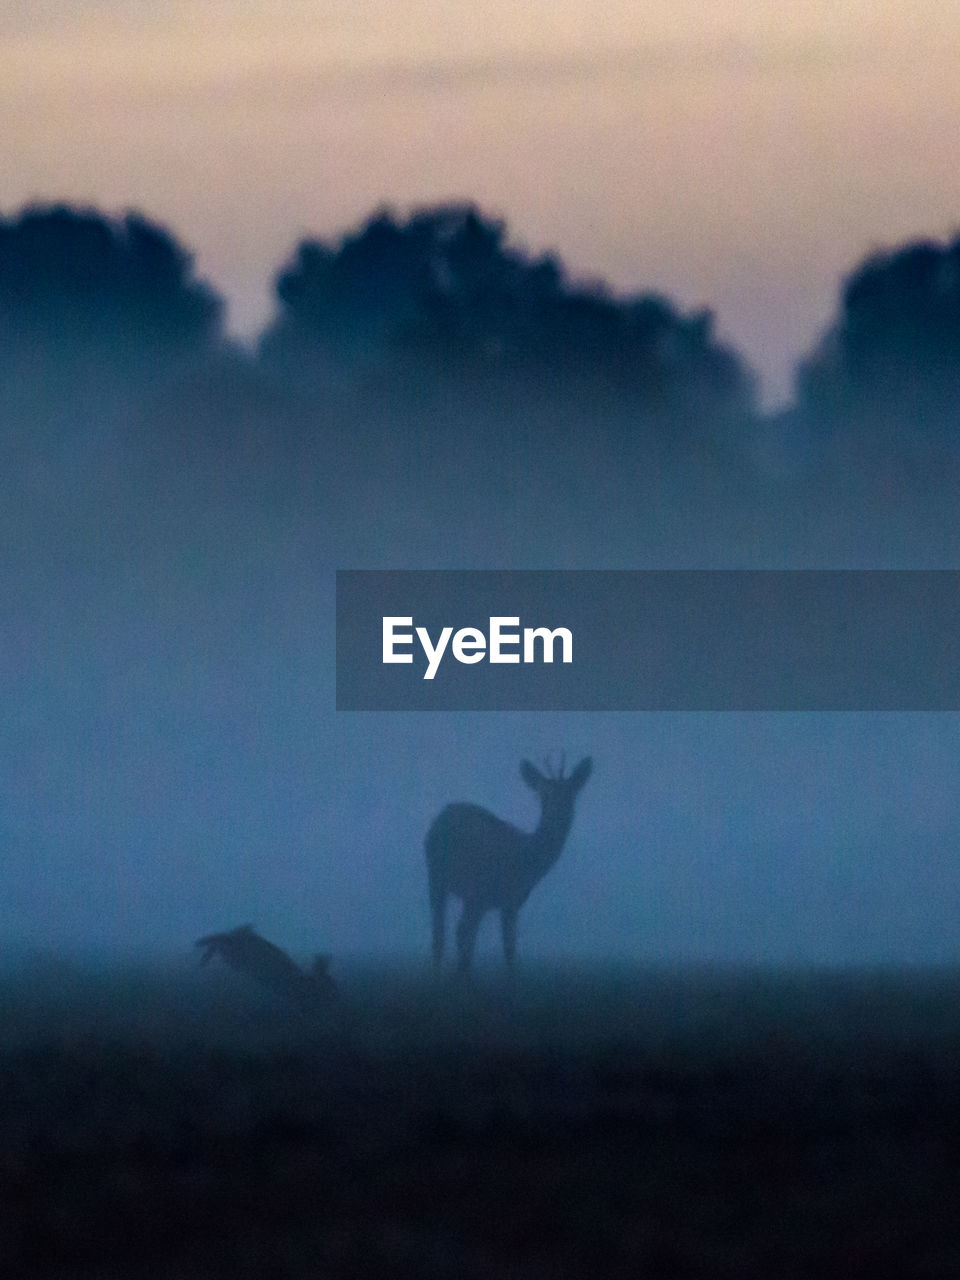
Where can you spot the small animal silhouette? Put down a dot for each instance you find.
(492, 865)
(245, 951)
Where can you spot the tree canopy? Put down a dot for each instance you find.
(76, 279)
(893, 353)
(447, 294)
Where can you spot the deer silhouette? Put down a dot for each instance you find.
(245, 951)
(491, 865)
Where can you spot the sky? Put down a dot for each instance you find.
(741, 156)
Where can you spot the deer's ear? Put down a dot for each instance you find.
(531, 775)
(582, 772)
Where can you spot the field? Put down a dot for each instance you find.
(167, 1122)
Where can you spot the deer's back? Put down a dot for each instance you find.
(472, 852)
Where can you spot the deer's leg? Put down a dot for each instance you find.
(467, 928)
(508, 928)
(438, 911)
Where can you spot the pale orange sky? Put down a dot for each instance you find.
(733, 154)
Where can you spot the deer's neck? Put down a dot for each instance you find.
(541, 848)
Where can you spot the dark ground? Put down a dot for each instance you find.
(170, 1123)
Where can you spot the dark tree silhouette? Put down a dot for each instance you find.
(445, 294)
(76, 278)
(104, 329)
(891, 361)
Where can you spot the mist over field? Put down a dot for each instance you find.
(432, 394)
(400, 284)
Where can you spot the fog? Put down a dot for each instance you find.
(172, 761)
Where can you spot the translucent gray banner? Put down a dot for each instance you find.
(648, 640)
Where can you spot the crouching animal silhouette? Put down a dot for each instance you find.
(245, 951)
(491, 865)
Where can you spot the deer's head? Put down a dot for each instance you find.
(557, 792)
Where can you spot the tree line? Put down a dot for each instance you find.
(98, 310)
